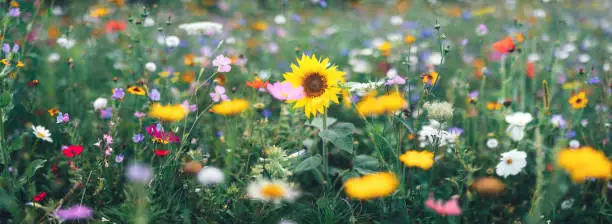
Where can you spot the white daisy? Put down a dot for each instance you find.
(210, 175)
(492, 143)
(100, 103)
(42, 133)
(172, 41)
(150, 66)
(198, 28)
(517, 122)
(272, 190)
(511, 163)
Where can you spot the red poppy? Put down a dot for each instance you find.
(54, 169)
(40, 197)
(257, 84)
(530, 70)
(161, 152)
(504, 46)
(115, 26)
(73, 150)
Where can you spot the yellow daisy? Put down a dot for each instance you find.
(320, 82)
(584, 163)
(136, 90)
(168, 113)
(230, 107)
(423, 159)
(371, 186)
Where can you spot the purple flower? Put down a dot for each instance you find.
(139, 173)
(106, 113)
(118, 93)
(154, 95)
(138, 138)
(594, 80)
(219, 134)
(218, 94)
(62, 118)
(190, 107)
(396, 80)
(571, 134)
(14, 12)
(557, 121)
(75, 212)
(482, 30)
(222, 63)
(266, 113)
(6, 48)
(139, 114)
(455, 131)
(473, 94)
(119, 158)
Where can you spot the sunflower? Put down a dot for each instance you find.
(230, 107)
(579, 100)
(136, 90)
(320, 83)
(168, 113)
(371, 186)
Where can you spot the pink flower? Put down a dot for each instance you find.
(396, 80)
(189, 107)
(139, 114)
(108, 139)
(159, 136)
(75, 212)
(285, 91)
(222, 63)
(219, 94)
(450, 207)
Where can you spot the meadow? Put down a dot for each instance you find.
(305, 111)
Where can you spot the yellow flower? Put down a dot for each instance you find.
(320, 82)
(493, 106)
(374, 106)
(168, 112)
(572, 85)
(230, 107)
(136, 90)
(53, 111)
(409, 39)
(260, 26)
(20, 64)
(346, 99)
(5, 62)
(423, 159)
(371, 186)
(578, 101)
(99, 12)
(189, 59)
(584, 163)
(385, 48)
(430, 78)
(483, 11)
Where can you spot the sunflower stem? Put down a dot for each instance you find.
(325, 151)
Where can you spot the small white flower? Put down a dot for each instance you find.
(66, 42)
(148, 22)
(391, 73)
(539, 13)
(396, 20)
(433, 133)
(100, 103)
(57, 11)
(198, 28)
(362, 88)
(150, 66)
(517, 122)
(533, 57)
(172, 41)
(280, 19)
(210, 175)
(584, 58)
(360, 66)
(574, 144)
(492, 143)
(53, 57)
(439, 110)
(567, 204)
(511, 163)
(606, 66)
(272, 190)
(42, 133)
(434, 58)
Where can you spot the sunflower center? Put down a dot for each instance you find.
(272, 191)
(509, 161)
(314, 85)
(578, 100)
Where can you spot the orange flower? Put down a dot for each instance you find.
(504, 46)
(409, 39)
(114, 26)
(53, 32)
(430, 78)
(188, 76)
(221, 79)
(494, 106)
(189, 59)
(136, 90)
(260, 26)
(257, 84)
(530, 70)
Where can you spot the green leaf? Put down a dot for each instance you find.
(365, 164)
(340, 134)
(33, 167)
(317, 122)
(5, 99)
(16, 144)
(309, 164)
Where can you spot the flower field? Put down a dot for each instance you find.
(305, 111)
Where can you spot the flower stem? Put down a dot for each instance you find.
(325, 151)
